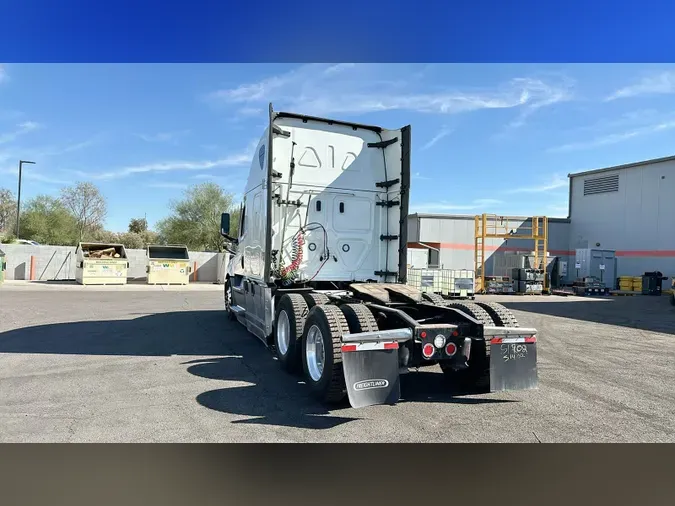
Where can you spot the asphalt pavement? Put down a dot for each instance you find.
(127, 365)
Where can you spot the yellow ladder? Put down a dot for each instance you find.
(540, 236)
(479, 252)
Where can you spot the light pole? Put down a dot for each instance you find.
(18, 199)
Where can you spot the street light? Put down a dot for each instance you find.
(18, 200)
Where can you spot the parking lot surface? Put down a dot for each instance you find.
(130, 365)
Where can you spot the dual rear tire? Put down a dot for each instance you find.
(308, 337)
(477, 376)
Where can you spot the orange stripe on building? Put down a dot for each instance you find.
(555, 252)
(646, 253)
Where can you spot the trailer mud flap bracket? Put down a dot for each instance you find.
(513, 363)
(371, 368)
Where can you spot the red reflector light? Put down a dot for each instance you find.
(390, 346)
(496, 340)
(531, 339)
(451, 349)
(428, 350)
(348, 347)
(455, 333)
(423, 334)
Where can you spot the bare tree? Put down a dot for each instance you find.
(7, 210)
(87, 204)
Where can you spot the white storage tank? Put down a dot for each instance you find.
(456, 283)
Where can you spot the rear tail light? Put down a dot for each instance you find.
(451, 349)
(428, 350)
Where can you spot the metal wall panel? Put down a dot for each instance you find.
(637, 220)
(456, 236)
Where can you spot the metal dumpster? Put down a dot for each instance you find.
(3, 266)
(168, 265)
(101, 264)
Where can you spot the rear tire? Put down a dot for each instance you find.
(477, 376)
(313, 299)
(289, 324)
(434, 298)
(322, 353)
(359, 318)
(499, 314)
(474, 311)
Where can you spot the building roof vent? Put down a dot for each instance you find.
(602, 184)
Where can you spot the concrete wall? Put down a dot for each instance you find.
(637, 221)
(58, 262)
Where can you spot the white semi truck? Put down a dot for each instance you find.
(319, 272)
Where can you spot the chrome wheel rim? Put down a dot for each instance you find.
(283, 333)
(316, 354)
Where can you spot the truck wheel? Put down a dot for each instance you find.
(322, 353)
(477, 376)
(359, 318)
(434, 298)
(499, 314)
(229, 299)
(313, 299)
(288, 327)
(475, 311)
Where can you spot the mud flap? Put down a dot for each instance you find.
(370, 364)
(513, 364)
(372, 377)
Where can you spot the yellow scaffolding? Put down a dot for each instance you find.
(492, 226)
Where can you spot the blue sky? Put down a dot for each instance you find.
(486, 137)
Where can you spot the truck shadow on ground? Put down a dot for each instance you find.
(651, 313)
(262, 391)
(271, 397)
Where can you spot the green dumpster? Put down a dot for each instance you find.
(3, 266)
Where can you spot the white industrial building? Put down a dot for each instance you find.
(629, 209)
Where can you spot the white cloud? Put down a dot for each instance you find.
(231, 161)
(163, 136)
(445, 206)
(241, 159)
(444, 132)
(36, 176)
(657, 84)
(615, 138)
(21, 129)
(33, 175)
(555, 183)
(338, 68)
(250, 111)
(315, 89)
(3, 73)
